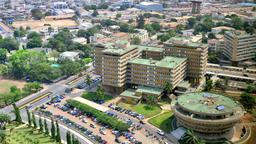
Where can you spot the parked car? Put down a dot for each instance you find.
(92, 125)
(160, 132)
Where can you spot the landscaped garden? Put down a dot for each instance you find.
(12, 91)
(142, 108)
(163, 121)
(92, 96)
(26, 135)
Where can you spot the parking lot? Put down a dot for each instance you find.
(91, 128)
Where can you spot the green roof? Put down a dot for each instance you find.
(207, 103)
(167, 62)
(117, 50)
(149, 90)
(129, 93)
(148, 48)
(183, 41)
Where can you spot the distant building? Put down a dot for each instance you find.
(69, 55)
(239, 46)
(141, 34)
(80, 40)
(5, 30)
(150, 6)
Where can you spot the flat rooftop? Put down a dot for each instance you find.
(117, 50)
(184, 41)
(167, 62)
(207, 103)
(148, 48)
(141, 89)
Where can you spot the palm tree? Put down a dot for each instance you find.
(88, 80)
(190, 138)
(167, 88)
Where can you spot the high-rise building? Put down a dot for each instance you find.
(239, 46)
(195, 52)
(155, 73)
(114, 62)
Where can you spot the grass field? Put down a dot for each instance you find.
(26, 135)
(5, 85)
(142, 109)
(163, 121)
(90, 95)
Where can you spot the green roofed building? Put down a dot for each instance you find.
(156, 73)
(123, 66)
(194, 51)
(210, 115)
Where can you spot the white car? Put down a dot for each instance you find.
(160, 132)
(84, 120)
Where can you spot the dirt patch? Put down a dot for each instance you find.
(5, 85)
(39, 24)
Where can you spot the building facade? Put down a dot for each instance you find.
(195, 52)
(210, 116)
(156, 73)
(239, 46)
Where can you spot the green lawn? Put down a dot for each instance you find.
(26, 135)
(90, 95)
(163, 121)
(141, 108)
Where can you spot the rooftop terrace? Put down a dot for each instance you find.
(167, 62)
(207, 103)
(148, 48)
(183, 41)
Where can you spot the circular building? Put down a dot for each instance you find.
(208, 114)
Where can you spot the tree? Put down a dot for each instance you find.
(190, 138)
(9, 44)
(151, 100)
(46, 130)
(118, 15)
(73, 139)
(34, 40)
(208, 85)
(58, 138)
(88, 80)
(34, 121)
(140, 22)
(204, 39)
(251, 88)
(23, 60)
(211, 36)
(68, 138)
(236, 22)
(135, 41)
(156, 26)
(191, 23)
(53, 130)
(3, 55)
(95, 13)
(29, 118)
(4, 120)
(99, 94)
(247, 101)
(17, 113)
(41, 125)
(3, 70)
(70, 67)
(254, 9)
(167, 88)
(32, 87)
(37, 14)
